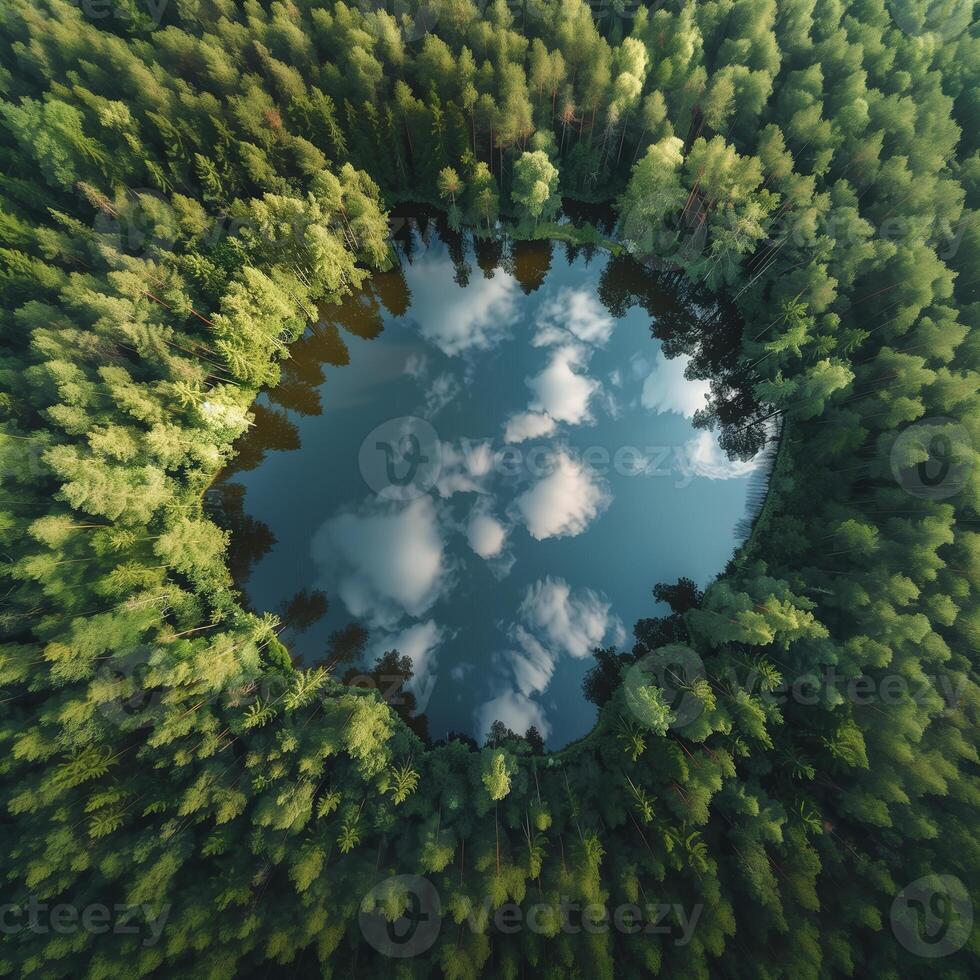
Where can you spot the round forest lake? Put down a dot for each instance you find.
(486, 460)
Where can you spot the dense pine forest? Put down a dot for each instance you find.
(783, 779)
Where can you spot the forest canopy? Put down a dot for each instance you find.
(183, 183)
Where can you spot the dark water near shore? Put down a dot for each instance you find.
(487, 461)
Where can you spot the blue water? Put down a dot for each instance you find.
(500, 577)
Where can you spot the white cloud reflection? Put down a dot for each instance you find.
(384, 560)
(461, 320)
(528, 425)
(703, 456)
(573, 311)
(466, 467)
(553, 621)
(564, 502)
(419, 642)
(665, 389)
(515, 710)
(572, 323)
(486, 535)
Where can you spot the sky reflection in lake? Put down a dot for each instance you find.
(569, 481)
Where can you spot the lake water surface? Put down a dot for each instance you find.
(480, 463)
